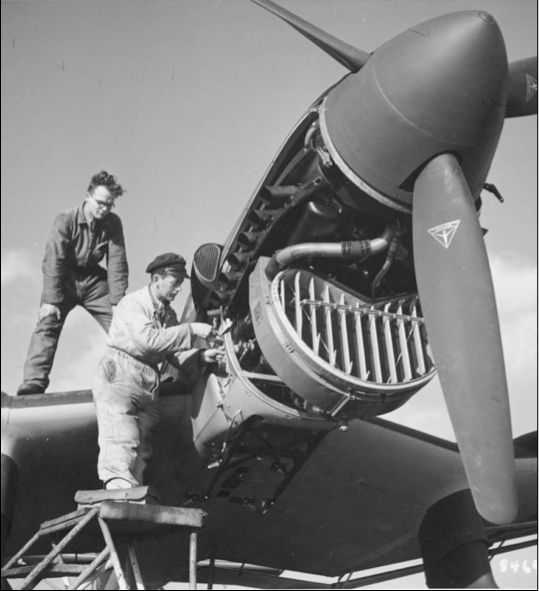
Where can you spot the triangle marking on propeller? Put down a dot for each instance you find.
(531, 87)
(444, 233)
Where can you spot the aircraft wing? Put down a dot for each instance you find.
(356, 503)
(343, 500)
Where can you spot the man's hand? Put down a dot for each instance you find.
(213, 355)
(49, 310)
(201, 329)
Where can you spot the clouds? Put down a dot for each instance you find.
(515, 283)
(18, 266)
(21, 284)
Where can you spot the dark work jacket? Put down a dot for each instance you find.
(75, 249)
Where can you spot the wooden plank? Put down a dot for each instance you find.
(59, 526)
(157, 514)
(193, 560)
(74, 558)
(122, 584)
(68, 518)
(59, 570)
(135, 567)
(137, 493)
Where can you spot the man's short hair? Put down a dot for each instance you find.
(107, 180)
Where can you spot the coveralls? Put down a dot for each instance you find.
(144, 332)
(72, 276)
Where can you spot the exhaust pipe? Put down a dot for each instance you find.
(357, 249)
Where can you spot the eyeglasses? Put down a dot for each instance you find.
(103, 204)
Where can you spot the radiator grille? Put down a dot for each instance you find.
(382, 342)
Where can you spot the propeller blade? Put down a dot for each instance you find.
(457, 299)
(522, 97)
(350, 57)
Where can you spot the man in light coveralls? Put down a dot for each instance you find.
(143, 334)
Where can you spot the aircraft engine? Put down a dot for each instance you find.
(318, 281)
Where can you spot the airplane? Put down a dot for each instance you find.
(356, 273)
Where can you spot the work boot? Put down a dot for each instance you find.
(30, 388)
(117, 483)
(124, 491)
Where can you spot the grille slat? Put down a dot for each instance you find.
(418, 345)
(328, 309)
(404, 355)
(343, 334)
(360, 347)
(390, 351)
(375, 349)
(315, 346)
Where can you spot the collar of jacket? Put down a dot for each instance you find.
(159, 306)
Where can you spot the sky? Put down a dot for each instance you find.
(187, 102)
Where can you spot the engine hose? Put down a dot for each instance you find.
(357, 249)
(387, 263)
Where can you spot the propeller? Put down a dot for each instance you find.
(522, 98)
(457, 299)
(349, 56)
(451, 263)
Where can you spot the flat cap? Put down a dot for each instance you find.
(169, 260)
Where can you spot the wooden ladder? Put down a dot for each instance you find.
(109, 514)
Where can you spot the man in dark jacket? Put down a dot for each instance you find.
(80, 238)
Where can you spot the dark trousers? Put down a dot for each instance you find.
(89, 290)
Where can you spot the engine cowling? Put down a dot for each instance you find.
(341, 353)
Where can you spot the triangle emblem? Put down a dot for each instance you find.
(531, 87)
(444, 233)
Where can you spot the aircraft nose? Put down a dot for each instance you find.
(440, 86)
(448, 76)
